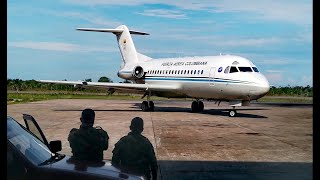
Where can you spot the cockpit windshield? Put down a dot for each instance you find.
(233, 69)
(255, 69)
(245, 69)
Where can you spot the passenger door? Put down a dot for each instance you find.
(33, 127)
(212, 74)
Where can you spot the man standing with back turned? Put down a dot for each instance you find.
(88, 142)
(134, 153)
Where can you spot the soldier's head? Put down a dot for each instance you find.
(87, 117)
(136, 125)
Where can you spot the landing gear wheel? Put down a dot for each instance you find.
(151, 106)
(144, 106)
(194, 106)
(232, 113)
(200, 106)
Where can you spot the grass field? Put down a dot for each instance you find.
(24, 97)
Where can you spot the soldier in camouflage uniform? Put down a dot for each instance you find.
(134, 153)
(88, 142)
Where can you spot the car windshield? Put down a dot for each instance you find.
(32, 148)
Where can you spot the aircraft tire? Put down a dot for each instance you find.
(232, 113)
(200, 106)
(151, 106)
(194, 106)
(144, 106)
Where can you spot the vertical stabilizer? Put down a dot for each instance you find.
(127, 49)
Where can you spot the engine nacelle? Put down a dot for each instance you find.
(77, 86)
(136, 73)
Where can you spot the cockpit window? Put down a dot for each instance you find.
(255, 69)
(245, 69)
(233, 69)
(227, 70)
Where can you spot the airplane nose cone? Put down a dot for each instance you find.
(264, 85)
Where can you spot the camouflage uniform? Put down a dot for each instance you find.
(88, 143)
(135, 154)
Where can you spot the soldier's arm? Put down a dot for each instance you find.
(105, 137)
(106, 143)
(116, 156)
(72, 131)
(153, 162)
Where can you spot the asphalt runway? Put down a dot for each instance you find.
(265, 140)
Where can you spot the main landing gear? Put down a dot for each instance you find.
(233, 112)
(147, 105)
(197, 106)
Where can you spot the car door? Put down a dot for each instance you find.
(32, 126)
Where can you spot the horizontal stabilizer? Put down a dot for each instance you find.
(111, 30)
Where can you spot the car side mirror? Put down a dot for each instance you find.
(55, 146)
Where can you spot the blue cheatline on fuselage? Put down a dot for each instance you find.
(197, 79)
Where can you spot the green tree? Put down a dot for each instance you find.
(104, 79)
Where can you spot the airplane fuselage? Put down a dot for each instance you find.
(207, 77)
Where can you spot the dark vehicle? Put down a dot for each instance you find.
(30, 156)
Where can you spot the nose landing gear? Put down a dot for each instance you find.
(233, 112)
(145, 106)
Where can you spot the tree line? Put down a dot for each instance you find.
(32, 85)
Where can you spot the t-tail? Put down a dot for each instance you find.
(125, 43)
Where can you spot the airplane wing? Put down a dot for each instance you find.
(119, 86)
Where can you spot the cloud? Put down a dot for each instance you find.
(94, 19)
(164, 13)
(58, 46)
(223, 41)
(250, 42)
(274, 78)
(298, 12)
(274, 71)
(307, 80)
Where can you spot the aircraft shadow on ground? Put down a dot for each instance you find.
(220, 112)
(116, 110)
(233, 170)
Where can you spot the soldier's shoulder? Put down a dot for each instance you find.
(73, 133)
(145, 138)
(74, 130)
(121, 141)
(101, 131)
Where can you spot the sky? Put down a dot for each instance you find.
(43, 43)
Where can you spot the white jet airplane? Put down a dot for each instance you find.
(222, 78)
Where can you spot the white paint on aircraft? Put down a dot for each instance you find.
(223, 77)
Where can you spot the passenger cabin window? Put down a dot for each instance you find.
(255, 69)
(227, 70)
(245, 69)
(233, 69)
